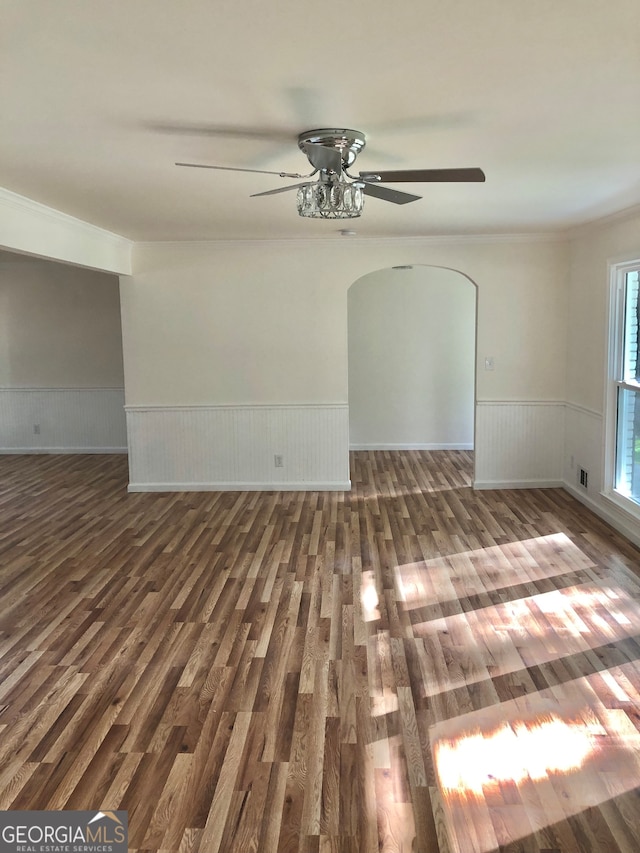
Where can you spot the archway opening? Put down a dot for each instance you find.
(412, 359)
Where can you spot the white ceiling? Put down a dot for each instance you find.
(99, 99)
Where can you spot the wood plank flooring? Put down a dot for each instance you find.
(412, 667)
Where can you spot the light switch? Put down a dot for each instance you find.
(489, 363)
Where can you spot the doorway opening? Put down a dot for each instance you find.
(412, 360)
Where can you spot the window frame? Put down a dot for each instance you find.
(615, 380)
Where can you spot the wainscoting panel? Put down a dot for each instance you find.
(519, 444)
(583, 447)
(62, 420)
(192, 448)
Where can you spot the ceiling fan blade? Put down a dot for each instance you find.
(425, 175)
(236, 169)
(323, 157)
(279, 190)
(387, 194)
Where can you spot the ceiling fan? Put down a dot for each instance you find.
(336, 193)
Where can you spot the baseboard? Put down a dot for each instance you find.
(28, 451)
(517, 484)
(616, 519)
(428, 446)
(241, 487)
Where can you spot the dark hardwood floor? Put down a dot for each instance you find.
(412, 667)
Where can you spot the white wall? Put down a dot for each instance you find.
(257, 326)
(61, 366)
(591, 249)
(411, 359)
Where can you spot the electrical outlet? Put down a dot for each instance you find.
(36, 429)
(277, 461)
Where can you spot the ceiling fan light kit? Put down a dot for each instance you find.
(338, 195)
(331, 200)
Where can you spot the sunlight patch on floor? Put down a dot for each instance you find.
(513, 753)
(467, 648)
(545, 757)
(369, 598)
(483, 570)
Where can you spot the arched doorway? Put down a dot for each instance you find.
(412, 356)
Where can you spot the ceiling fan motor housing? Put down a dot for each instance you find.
(348, 142)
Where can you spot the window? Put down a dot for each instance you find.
(623, 394)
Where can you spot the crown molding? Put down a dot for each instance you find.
(11, 199)
(32, 228)
(602, 222)
(428, 240)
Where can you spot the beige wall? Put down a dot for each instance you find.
(592, 248)
(237, 352)
(412, 358)
(60, 326)
(266, 322)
